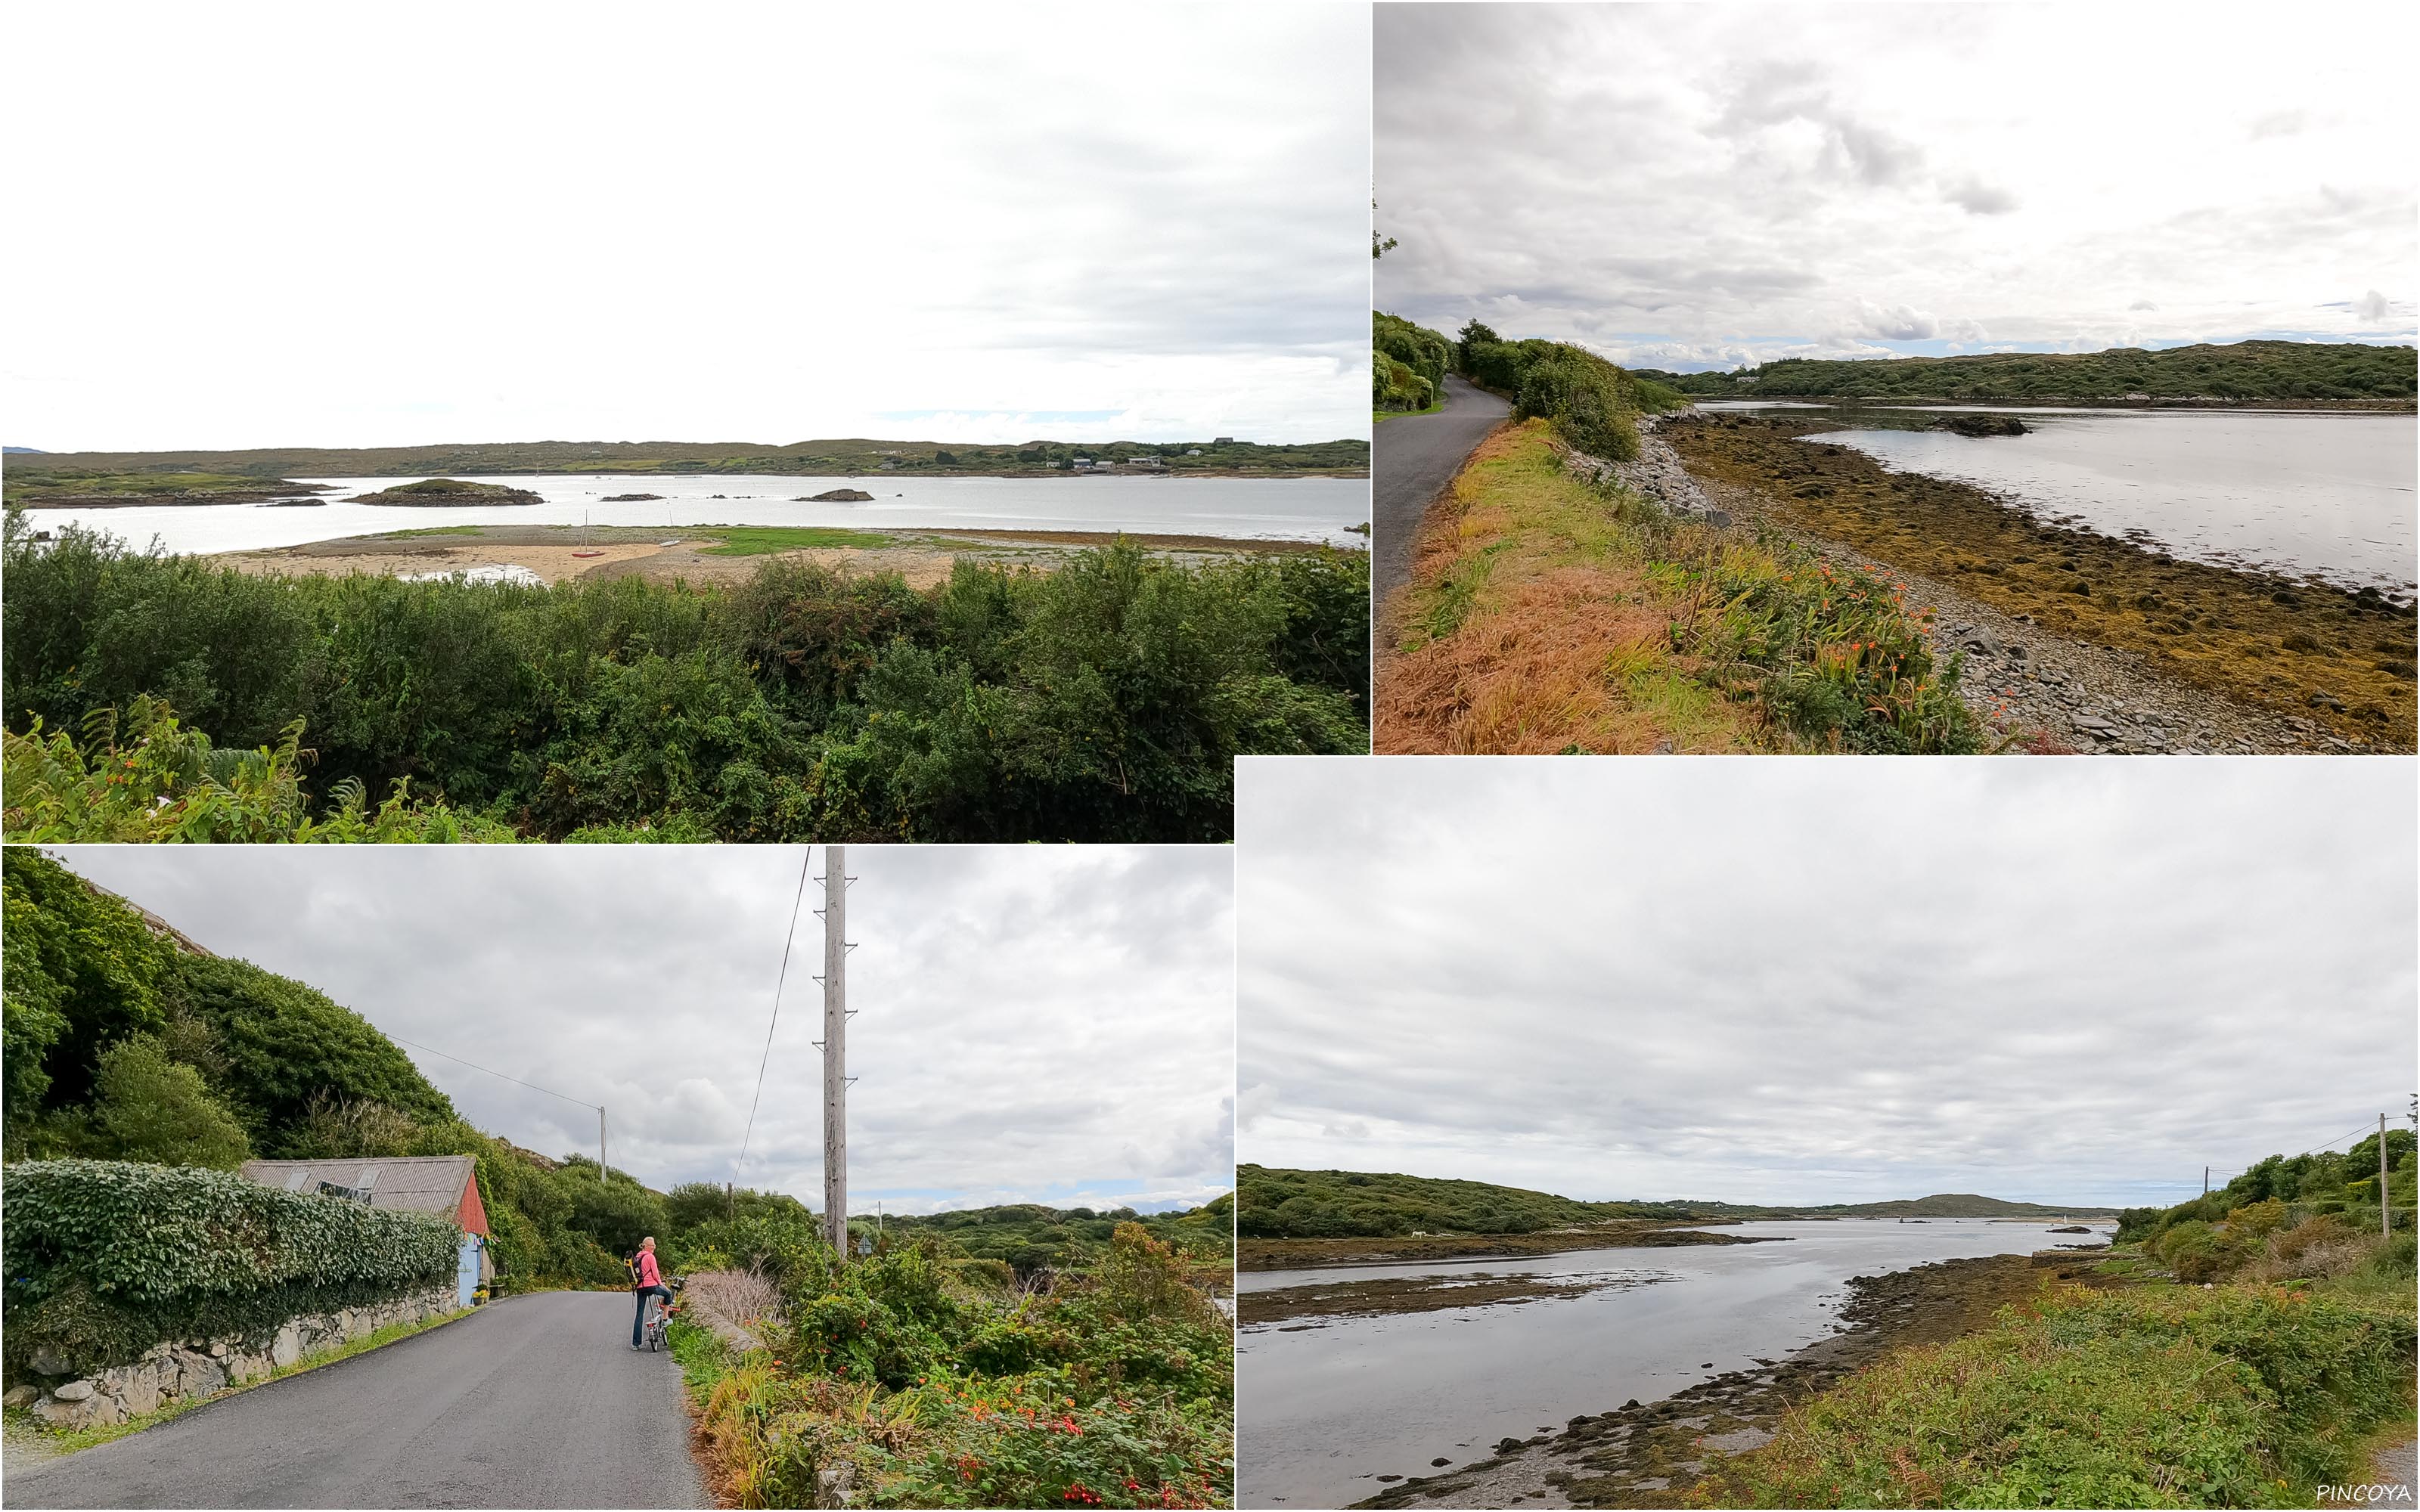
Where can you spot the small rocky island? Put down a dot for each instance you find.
(836, 496)
(449, 493)
(1983, 424)
(629, 497)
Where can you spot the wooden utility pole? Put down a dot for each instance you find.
(835, 1050)
(2385, 1213)
(2205, 1181)
(600, 1146)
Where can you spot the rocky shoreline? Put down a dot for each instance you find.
(1648, 1454)
(2041, 687)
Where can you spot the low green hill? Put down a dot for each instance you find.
(1955, 1205)
(2309, 371)
(1275, 1203)
(52, 472)
(1030, 1237)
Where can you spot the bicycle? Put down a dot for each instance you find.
(657, 1315)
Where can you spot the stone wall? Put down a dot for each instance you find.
(188, 1368)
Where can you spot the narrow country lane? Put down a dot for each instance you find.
(532, 1401)
(1412, 457)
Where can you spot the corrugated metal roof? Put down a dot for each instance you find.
(416, 1183)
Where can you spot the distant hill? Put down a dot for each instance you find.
(1278, 1203)
(850, 458)
(1956, 1205)
(1030, 1237)
(2309, 371)
(23, 451)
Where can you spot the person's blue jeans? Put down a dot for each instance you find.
(638, 1319)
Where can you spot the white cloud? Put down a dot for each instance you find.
(1730, 180)
(1033, 1026)
(310, 226)
(1812, 981)
(1895, 323)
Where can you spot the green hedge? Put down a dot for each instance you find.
(105, 1258)
(148, 1233)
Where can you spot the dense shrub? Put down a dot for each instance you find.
(1115, 1388)
(1105, 701)
(152, 1109)
(104, 1257)
(2240, 1397)
(1409, 363)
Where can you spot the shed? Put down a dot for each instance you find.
(443, 1184)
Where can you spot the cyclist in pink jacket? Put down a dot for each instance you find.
(646, 1281)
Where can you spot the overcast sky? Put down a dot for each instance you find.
(1694, 186)
(289, 224)
(1795, 981)
(1034, 1025)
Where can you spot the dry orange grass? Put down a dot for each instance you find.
(1554, 653)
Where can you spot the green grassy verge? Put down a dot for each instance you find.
(1547, 614)
(2242, 1395)
(765, 540)
(74, 1440)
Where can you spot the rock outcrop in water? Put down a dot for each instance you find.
(1982, 425)
(449, 493)
(629, 497)
(836, 496)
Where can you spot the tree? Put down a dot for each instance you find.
(152, 1109)
(82, 971)
(286, 1045)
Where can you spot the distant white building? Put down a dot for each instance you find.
(1193, 451)
(1081, 463)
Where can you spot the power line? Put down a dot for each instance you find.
(805, 860)
(476, 1066)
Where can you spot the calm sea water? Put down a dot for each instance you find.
(1323, 1411)
(1290, 509)
(2329, 496)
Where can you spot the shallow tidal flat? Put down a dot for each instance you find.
(1308, 1306)
(2344, 660)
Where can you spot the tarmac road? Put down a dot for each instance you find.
(1412, 457)
(531, 1401)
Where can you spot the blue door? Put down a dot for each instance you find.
(466, 1271)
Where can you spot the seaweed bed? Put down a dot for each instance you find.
(1423, 1294)
(2343, 660)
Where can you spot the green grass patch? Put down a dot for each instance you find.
(765, 540)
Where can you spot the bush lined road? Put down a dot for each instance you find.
(1412, 457)
(532, 1401)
